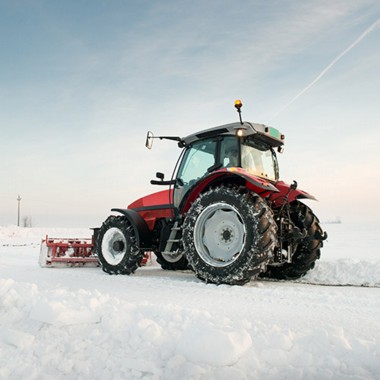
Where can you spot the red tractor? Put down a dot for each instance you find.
(224, 213)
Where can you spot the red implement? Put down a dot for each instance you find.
(67, 252)
(62, 252)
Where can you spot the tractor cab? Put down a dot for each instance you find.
(240, 153)
(223, 150)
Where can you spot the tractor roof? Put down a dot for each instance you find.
(261, 132)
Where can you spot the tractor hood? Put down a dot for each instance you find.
(154, 206)
(159, 199)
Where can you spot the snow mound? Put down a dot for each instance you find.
(60, 333)
(82, 323)
(214, 346)
(345, 272)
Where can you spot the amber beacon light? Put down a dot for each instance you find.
(238, 105)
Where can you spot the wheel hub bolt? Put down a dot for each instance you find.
(227, 235)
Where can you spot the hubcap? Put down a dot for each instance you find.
(219, 234)
(114, 246)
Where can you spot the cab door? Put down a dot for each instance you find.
(199, 157)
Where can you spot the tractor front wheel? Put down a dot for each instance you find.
(116, 246)
(229, 235)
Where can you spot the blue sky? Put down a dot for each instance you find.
(82, 82)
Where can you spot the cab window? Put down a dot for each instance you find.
(229, 151)
(198, 158)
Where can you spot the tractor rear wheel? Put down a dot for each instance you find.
(116, 246)
(229, 235)
(308, 249)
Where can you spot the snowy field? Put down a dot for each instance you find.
(80, 323)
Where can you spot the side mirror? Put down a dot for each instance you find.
(149, 140)
(161, 181)
(160, 176)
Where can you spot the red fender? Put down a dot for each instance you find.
(283, 188)
(258, 185)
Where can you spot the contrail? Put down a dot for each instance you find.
(328, 67)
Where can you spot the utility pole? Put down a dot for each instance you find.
(18, 210)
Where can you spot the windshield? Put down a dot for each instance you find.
(258, 160)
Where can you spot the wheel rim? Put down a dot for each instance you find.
(173, 257)
(114, 246)
(219, 234)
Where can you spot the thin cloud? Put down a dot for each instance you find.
(371, 28)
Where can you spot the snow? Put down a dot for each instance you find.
(65, 323)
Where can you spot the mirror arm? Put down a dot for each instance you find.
(163, 183)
